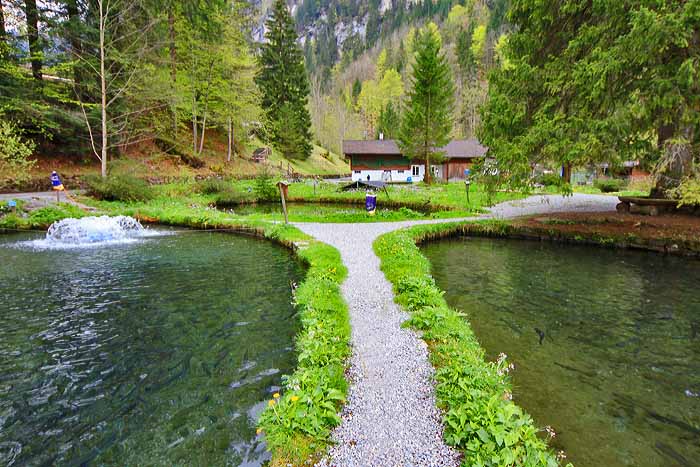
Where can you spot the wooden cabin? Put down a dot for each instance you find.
(382, 160)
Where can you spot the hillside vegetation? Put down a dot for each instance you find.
(360, 79)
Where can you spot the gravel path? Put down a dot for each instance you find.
(40, 199)
(390, 418)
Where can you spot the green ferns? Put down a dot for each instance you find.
(475, 395)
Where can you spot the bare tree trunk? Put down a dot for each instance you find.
(103, 89)
(35, 51)
(566, 175)
(675, 164)
(194, 124)
(428, 115)
(76, 45)
(173, 65)
(204, 128)
(428, 174)
(206, 107)
(230, 140)
(173, 51)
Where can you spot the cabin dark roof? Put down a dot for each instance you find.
(464, 148)
(458, 148)
(378, 147)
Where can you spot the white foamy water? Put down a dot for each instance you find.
(91, 232)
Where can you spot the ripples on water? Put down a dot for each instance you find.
(159, 352)
(617, 373)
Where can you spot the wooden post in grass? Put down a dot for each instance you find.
(283, 186)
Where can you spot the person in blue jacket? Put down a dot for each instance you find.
(56, 185)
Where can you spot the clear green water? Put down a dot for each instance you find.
(159, 352)
(617, 374)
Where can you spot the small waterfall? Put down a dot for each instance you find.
(92, 232)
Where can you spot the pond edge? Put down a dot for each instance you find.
(506, 229)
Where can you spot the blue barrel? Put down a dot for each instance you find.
(370, 203)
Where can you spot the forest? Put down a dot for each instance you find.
(557, 83)
(80, 78)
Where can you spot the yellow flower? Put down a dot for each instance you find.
(258, 431)
(276, 395)
(271, 402)
(294, 398)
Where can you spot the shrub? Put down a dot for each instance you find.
(44, 217)
(40, 218)
(119, 188)
(14, 153)
(689, 192)
(609, 185)
(264, 187)
(549, 179)
(230, 197)
(210, 186)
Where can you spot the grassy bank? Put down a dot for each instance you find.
(479, 416)
(400, 202)
(296, 424)
(38, 219)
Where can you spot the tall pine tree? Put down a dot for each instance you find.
(284, 86)
(427, 120)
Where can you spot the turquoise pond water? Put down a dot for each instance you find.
(606, 343)
(158, 351)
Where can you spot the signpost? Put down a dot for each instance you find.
(284, 188)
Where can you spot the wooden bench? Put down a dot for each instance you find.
(647, 206)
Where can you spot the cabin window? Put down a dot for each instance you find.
(400, 171)
(358, 171)
(415, 170)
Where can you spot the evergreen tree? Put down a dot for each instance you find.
(389, 122)
(356, 89)
(373, 28)
(465, 56)
(427, 120)
(284, 86)
(605, 81)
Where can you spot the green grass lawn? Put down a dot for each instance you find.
(324, 202)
